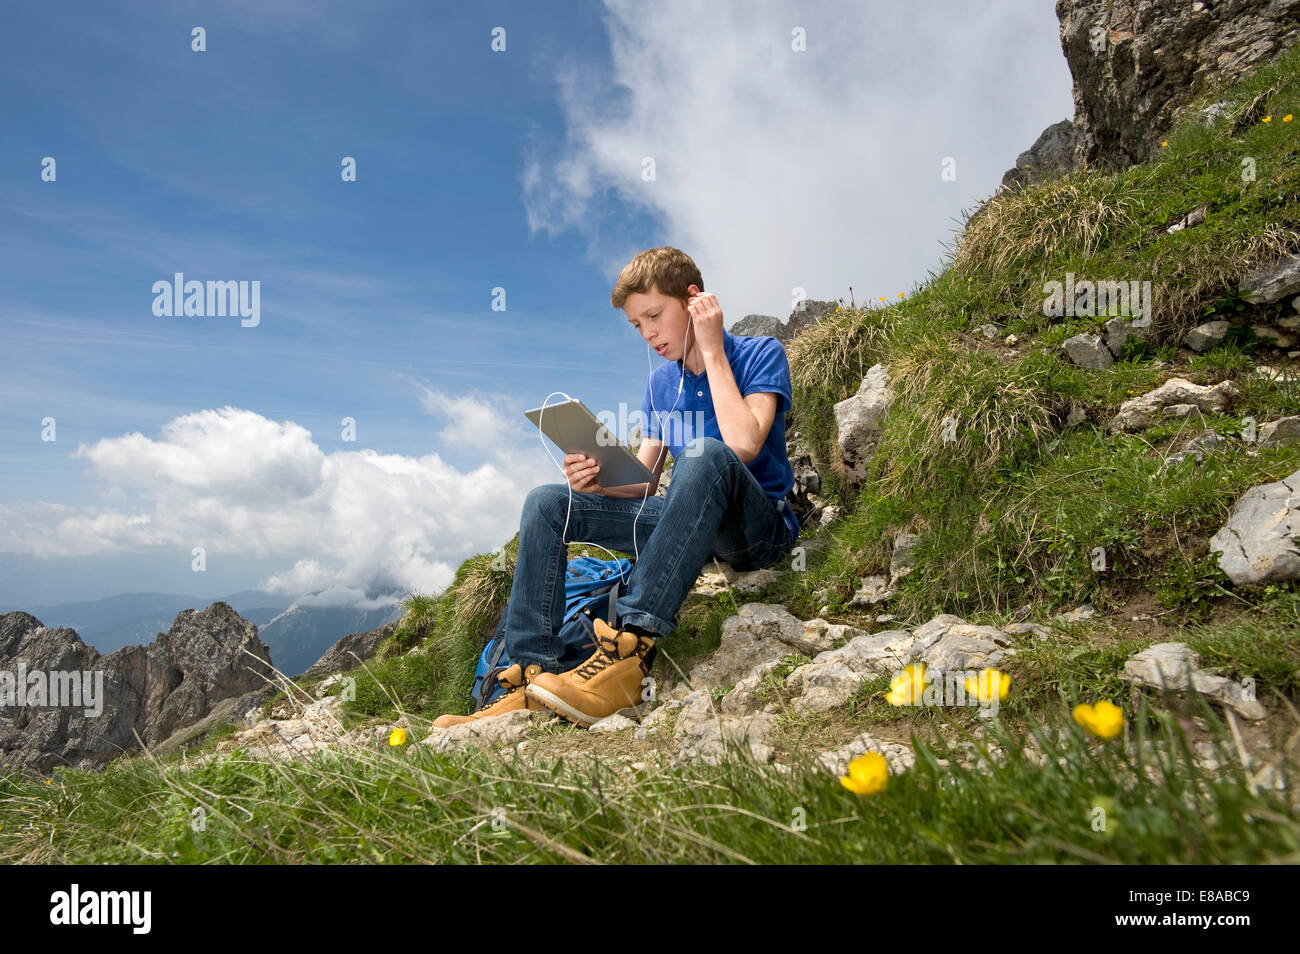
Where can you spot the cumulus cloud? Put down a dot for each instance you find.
(233, 481)
(776, 169)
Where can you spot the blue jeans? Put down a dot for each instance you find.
(714, 507)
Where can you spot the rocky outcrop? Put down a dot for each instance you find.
(1136, 64)
(145, 693)
(1052, 154)
(350, 651)
(805, 314)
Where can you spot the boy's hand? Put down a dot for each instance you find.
(706, 321)
(582, 473)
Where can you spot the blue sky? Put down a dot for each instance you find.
(476, 170)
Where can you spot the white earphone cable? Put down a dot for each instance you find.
(663, 449)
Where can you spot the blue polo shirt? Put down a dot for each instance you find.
(758, 363)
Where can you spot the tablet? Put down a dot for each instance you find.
(575, 430)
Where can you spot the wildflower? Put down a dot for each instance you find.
(1104, 720)
(905, 689)
(398, 737)
(868, 774)
(882, 297)
(996, 685)
(1267, 119)
(900, 294)
(1165, 143)
(1286, 118)
(837, 307)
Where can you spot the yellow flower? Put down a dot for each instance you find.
(868, 774)
(1165, 143)
(905, 689)
(837, 307)
(882, 297)
(1267, 119)
(900, 294)
(1104, 720)
(398, 737)
(996, 685)
(1286, 118)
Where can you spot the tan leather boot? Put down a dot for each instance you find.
(608, 681)
(514, 678)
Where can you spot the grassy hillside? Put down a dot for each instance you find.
(1007, 516)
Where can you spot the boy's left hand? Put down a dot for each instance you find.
(706, 320)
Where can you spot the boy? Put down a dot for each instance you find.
(726, 498)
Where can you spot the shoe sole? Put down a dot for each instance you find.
(560, 707)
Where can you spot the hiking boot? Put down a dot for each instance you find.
(514, 678)
(608, 681)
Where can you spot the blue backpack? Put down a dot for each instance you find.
(591, 588)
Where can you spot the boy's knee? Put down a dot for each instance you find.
(704, 448)
(543, 497)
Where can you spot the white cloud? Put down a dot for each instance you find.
(776, 168)
(357, 522)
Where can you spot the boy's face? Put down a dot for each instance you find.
(662, 321)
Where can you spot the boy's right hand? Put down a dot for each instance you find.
(582, 473)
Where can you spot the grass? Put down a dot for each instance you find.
(1036, 802)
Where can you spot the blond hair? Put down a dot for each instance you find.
(667, 269)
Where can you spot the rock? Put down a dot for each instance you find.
(1037, 630)
(1084, 611)
(758, 326)
(614, 723)
(1163, 666)
(1284, 430)
(874, 589)
(1279, 339)
(710, 740)
(315, 727)
(1259, 541)
(1229, 693)
(490, 732)
(1206, 336)
(1087, 351)
(1136, 64)
(807, 313)
(964, 646)
(830, 515)
(1141, 412)
(902, 562)
(350, 651)
(724, 577)
(1197, 447)
(1120, 330)
(898, 757)
(1190, 220)
(152, 692)
(859, 421)
(1052, 154)
(988, 331)
(760, 633)
(1273, 282)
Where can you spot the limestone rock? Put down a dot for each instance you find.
(1259, 542)
(1087, 351)
(149, 692)
(1141, 412)
(859, 421)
